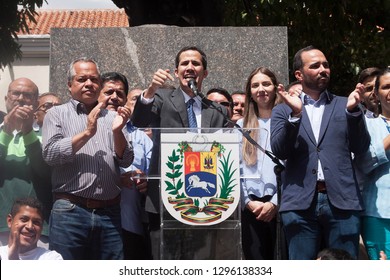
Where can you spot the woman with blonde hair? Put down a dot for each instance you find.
(258, 187)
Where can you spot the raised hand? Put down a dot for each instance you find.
(159, 79)
(14, 244)
(92, 119)
(27, 113)
(123, 115)
(354, 97)
(292, 100)
(20, 118)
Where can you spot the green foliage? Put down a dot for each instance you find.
(353, 34)
(173, 187)
(14, 15)
(226, 177)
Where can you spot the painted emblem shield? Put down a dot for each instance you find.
(200, 176)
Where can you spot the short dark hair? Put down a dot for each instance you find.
(334, 254)
(297, 62)
(238, 92)
(49, 94)
(191, 48)
(223, 92)
(296, 82)
(115, 76)
(26, 201)
(368, 72)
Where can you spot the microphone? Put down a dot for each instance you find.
(194, 87)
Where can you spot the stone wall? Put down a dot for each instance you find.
(137, 52)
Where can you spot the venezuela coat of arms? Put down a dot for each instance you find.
(200, 182)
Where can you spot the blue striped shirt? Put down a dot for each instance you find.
(93, 171)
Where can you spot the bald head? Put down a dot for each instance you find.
(21, 91)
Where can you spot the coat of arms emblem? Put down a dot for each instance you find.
(200, 182)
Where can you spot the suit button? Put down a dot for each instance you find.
(314, 171)
(318, 149)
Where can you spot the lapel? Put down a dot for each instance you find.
(179, 104)
(329, 107)
(206, 114)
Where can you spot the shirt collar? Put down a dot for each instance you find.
(187, 97)
(307, 100)
(79, 106)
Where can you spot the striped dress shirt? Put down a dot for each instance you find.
(93, 171)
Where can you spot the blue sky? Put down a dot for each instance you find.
(79, 4)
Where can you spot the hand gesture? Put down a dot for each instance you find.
(93, 116)
(14, 244)
(27, 113)
(354, 97)
(159, 79)
(123, 115)
(292, 100)
(20, 118)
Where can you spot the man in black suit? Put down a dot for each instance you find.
(159, 107)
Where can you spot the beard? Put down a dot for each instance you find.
(318, 84)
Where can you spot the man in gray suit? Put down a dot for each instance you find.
(159, 107)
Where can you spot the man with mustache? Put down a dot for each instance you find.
(238, 105)
(86, 145)
(135, 236)
(315, 133)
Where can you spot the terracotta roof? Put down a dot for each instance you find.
(76, 19)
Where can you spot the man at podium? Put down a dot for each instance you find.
(162, 107)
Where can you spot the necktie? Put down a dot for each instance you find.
(191, 115)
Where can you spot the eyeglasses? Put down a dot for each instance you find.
(16, 94)
(46, 106)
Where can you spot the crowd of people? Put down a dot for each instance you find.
(73, 180)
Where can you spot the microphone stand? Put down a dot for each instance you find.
(278, 169)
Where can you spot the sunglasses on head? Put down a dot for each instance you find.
(224, 103)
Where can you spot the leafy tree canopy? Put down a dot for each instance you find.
(14, 15)
(353, 34)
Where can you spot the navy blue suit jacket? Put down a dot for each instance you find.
(340, 134)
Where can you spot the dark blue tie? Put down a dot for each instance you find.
(191, 115)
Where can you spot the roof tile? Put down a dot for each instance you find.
(46, 19)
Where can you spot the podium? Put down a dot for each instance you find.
(200, 207)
